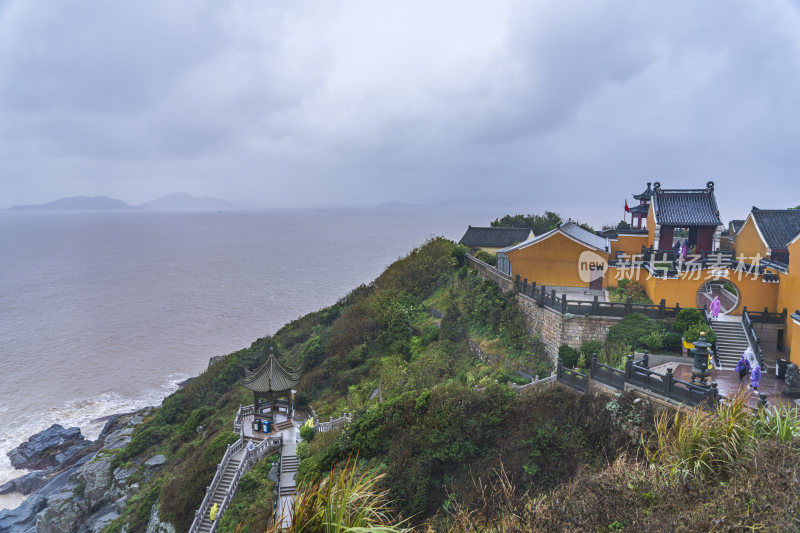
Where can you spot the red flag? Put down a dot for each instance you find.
(627, 209)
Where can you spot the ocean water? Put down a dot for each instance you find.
(105, 312)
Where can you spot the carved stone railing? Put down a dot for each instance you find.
(238, 422)
(251, 456)
(336, 423)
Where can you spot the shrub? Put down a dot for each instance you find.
(634, 290)
(589, 348)
(693, 333)
(458, 253)
(486, 257)
(672, 342)
(687, 318)
(344, 500)
(569, 355)
(630, 333)
(654, 340)
(307, 431)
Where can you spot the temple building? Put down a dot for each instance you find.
(756, 269)
(694, 210)
(491, 240)
(551, 258)
(272, 384)
(767, 233)
(639, 212)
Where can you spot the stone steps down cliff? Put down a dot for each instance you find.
(222, 488)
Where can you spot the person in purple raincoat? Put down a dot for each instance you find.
(715, 307)
(743, 366)
(755, 377)
(683, 250)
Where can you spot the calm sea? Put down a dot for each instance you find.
(107, 312)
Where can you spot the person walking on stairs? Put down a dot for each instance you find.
(213, 514)
(715, 307)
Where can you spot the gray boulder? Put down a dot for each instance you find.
(156, 460)
(23, 517)
(96, 477)
(63, 514)
(39, 451)
(25, 484)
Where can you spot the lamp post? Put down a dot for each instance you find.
(700, 352)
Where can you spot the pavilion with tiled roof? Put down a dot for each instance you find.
(692, 209)
(271, 382)
(639, 212)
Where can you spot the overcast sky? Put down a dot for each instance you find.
(544, 104)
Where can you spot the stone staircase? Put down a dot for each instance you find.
(222, 488)
(287, 486)
(731, 342)
(286, 424)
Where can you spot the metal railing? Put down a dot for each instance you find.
(752, 338)
(251, 456)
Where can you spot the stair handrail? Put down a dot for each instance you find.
(206, 503)
(251, 456)
(752, 338)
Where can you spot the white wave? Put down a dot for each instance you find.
(90, 414)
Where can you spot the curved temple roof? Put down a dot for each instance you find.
(272, 376)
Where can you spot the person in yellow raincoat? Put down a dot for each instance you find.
(213, 513)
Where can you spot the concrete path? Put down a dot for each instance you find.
(288, 481)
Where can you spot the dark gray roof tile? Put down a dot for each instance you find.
(686, 207)
(779, 227)
(494, 237)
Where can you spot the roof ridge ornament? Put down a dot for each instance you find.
(710, 185)
(657, 185)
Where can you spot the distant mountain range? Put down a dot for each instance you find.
(104, 203)
(78, 203)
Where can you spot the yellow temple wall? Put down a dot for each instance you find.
(789, 298)
(792, 340)
(553, 261)
(630, 244)
(748, 242)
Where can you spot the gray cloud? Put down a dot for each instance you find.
(552, 104)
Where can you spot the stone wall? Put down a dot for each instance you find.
(555, 329)
(550, 325)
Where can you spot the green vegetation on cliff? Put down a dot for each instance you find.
(425, 358)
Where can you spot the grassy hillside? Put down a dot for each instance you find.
(423, 358)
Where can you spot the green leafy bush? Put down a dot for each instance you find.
(687, 318)
(569, 355)
(693, 333)
(654, 340)
(307, 433)
(672, 342)
(629, 334)
(589, 348)
(486, 257)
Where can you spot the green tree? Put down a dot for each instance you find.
(623, 225)
(538, 223)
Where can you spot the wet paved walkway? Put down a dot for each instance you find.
(729, 384)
